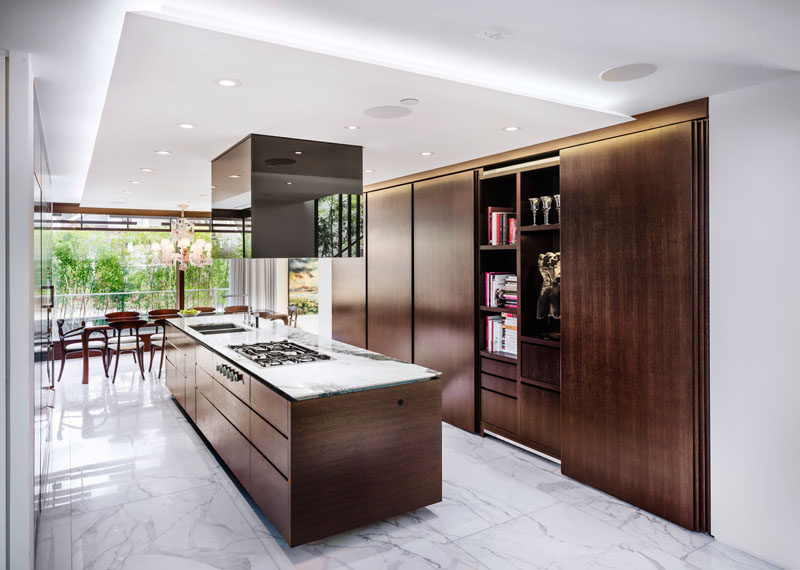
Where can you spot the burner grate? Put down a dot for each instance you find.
(278, 353)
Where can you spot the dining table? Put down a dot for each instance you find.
(97, 324)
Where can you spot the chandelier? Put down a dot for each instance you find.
(181, 247)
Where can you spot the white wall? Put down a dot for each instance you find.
(18, 323)
(755, 319)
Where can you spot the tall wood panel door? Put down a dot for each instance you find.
(349, 300)
(389, 272)
(634, 419)
(444, 289)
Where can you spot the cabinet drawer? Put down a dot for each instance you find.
(540, 417)
(205, 359)
(540, 363)
(499, 410)
(498, 368)
(205, 417)
(239, 387)
(233, 448)
(270, 442)
(270, 406)
(270, 491)
(204, 382)
(191, 409)
(170, 352)
(231, 407)
(498, 384)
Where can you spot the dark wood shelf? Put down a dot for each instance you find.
(493, 247)
(540, 228)
(540, 384)
(502, 356)
(541, 341)
(498, 309)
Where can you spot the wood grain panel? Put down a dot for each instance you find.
(270, 442)
(444, 290)
(499, 410)
(270, 406)
(231, 407)
(364, 456)
(629, 276)
(540, 363)
(349, 292)
(389, 273)
(271, 492)
(540, 419)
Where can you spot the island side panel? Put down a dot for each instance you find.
(364, 456)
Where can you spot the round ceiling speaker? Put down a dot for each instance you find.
(628, 72)
(388, 112)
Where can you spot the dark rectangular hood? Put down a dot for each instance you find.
(282, 184)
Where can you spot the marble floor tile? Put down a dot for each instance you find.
(562, 536)
(136, 488)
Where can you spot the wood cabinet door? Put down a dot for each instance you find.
(444, 289)
(389, 272)
(349, 300)
(632, 284)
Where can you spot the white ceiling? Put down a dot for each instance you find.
(553, 51)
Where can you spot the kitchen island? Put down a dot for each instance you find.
(321, 446)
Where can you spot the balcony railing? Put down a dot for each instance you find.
(88, 305)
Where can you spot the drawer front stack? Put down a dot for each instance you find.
(499, 394)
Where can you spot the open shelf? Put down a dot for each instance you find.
(542, 341)
(503, 356)
(543, 385)
(540, 228)
(488, 309)
(494, 247)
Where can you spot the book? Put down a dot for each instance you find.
(495, 230)
(493, 284)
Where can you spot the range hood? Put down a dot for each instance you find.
(281, 185)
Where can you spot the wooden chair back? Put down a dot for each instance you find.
(205, 309)
(129, 315)
(162, 313)
(236, 309)
(64, 335)
(132, 325)
(293, 311)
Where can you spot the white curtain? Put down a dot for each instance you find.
(252, 283)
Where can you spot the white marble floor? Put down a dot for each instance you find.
(137, 489)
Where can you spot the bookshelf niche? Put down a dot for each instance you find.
(519, 331)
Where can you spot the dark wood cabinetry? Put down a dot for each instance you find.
(389, 272)
(349, 300)
(444, 289)
(633, 388)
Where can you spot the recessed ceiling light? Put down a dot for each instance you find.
(163, 152)
(234, 175)
(298, 152)
(494, 34)
(511, 129)
(136, 181)
(289, 183)
(147, 169)
(186, 125)
(409, 101)
(426, 153)
(228, 82)
(127, 192)
(628, 72)
(368, 170)
(352, 127)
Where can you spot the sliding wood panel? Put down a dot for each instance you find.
(349, 300)
(444, 289)
(631, 321)
(389, 272)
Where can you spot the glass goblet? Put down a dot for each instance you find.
(535, 204)
(557, 199)
(547, 203)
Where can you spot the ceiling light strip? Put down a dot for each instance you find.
(524, 167)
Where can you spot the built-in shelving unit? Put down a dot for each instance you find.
(520, 394)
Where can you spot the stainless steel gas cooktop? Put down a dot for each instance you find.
(278, 353)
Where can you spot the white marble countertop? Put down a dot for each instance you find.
(350, 369)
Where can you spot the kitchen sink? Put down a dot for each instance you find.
(218, 328)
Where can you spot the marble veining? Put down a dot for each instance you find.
(350, 369)
(136, 488)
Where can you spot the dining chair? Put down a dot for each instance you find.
(124, 344)
(158, 339)
(71, 342)
(205, 309)
(293, 311)
(235, 309)
(122, 315)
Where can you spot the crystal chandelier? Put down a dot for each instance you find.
(181, 246)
